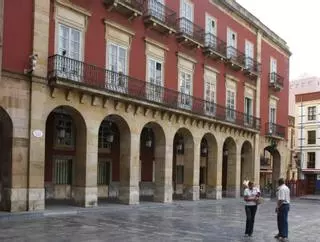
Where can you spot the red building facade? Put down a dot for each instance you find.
(211, 60)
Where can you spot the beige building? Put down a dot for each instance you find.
(63, 138)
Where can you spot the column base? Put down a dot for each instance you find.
(163, 193)
(36, 199)
(14, 199)
(214, 192)
(85, 196)
(129, 194)
(191, 193)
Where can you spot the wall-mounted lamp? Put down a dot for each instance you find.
(149, 138)
(110, 133)
(180, 145)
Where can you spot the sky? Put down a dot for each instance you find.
(297, 23)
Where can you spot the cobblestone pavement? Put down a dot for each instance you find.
(181, 221)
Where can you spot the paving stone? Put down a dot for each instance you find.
(205, 220)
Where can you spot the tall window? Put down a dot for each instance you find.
(103, 142)
(69, 45)
(272, 115)
(273, 69)
(186, 90)
(210, 94)
(311, 160)
(154, 88)
(249, 54)
(211, 32)
(231, 104)
(186, 12)
(311, 137)
(248, 110)
(312, 113)
(117, 61)
(157, 9)
(231, 43)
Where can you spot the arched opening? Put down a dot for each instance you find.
(152, 162)
(6, 133)
(229, 168)
(247, 164)
(208, 167)
(270, 169)
(65, 157)
(113, 159)
(183, 165)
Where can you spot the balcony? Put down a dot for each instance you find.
(235, 59)
(275, 81)
(252, 68)
(214, 47)
(159, 17)
(129, 8)
(189, 34)
(69, 73)
(275, 130)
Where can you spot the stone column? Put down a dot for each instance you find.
(129, 168)
(234, 165)
(85, 190)
(36, 195)
(163, 171)
(192, 169)
(214, 186)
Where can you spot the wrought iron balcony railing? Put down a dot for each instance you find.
(275, 80)
(129, 4)
(161, 13)
(251, 65)
(213, 43)
(273, 129)
(235, 56)
(66, 70)
(191, 30)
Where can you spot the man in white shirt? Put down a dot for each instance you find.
(283, 207)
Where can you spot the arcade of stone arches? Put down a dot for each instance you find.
(205, 169)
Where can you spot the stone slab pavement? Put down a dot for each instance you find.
(205, 220)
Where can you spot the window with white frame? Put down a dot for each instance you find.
(248, 110)
(249, 54)
(185, 89)
(231, 43)
(311, 163)
(312, 113)
(117, 66)
(155, 80)
(186, 14)
(210, 93)
(211, 32)
(157, 9)
(231, 104)
(69, 47)
(64, 131)
(104, 172)
(63, 171)
(273, 70)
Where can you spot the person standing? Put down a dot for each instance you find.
(251, 196)
(282, 210)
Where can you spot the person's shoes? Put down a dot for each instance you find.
(282, 239)
(246, 235)
(277, 236)
(250, 235)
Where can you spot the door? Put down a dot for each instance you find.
(248, 110)
(154, 88)
(117, 66)
(211, 32)
(231, 105)
(249, 54)
(185, 89)
(311, 183)
(210, 95)
(231, 44)
(69, 47)
(186, 23)
(272, 120)
(157, 10)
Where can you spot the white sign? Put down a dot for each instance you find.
(318, 177)
(37, 133)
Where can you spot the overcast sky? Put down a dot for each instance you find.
(297, 23)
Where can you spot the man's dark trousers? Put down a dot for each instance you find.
(250, 213)
(283, 220)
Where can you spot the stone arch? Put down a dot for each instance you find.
(183, 165)
(114, 156)
(247, 163)
(208, 166)
(6, 138)
(152, 160)
(272, 153)
(229, 168)
(65, 156)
